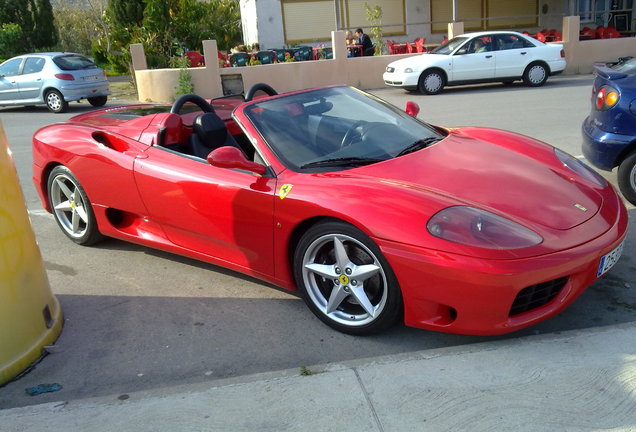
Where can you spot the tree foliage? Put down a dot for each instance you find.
(80, 28)
(35, 20)
(10, 37)
(374, 16)
(44, 30)
(171, 27)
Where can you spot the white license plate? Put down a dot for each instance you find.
(90, 78)
(608, 260)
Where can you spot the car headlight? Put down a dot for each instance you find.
(408, 70)
(580, 168)
(474, 227)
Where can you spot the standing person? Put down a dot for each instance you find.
(363, 39)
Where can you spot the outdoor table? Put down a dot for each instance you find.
(355, 50)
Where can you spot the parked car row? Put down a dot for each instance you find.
(52, 79)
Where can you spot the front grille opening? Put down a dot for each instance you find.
(535, 296)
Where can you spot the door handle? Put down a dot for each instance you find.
(488, 56)
(524, 52)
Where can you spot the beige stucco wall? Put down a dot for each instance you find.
(158, 85)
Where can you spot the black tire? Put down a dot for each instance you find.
(627, 178)
(98, 101)
(71, 208)
(536, 74)
(55, 101)
(431, 82)
(345, 280)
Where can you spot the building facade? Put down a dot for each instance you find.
(281, 23)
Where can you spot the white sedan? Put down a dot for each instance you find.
(502, 56)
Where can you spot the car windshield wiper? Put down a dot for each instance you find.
(345, 161)
(419, 144)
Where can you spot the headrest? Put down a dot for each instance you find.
(210, 127)
(174, 129)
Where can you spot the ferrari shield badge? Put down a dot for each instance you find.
(284, 190)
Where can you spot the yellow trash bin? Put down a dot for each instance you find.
(30, 315)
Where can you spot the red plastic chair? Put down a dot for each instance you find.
(195, 58)
(587, 33)
(391, 46)
(600, 32)
(611, 33)
(419, 44)
(540, 37)
(409, 48)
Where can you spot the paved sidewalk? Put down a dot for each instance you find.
(583, 380)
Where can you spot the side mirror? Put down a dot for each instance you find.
(232, 157)
(412, 109)
(462, 51)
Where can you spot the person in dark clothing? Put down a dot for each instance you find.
(367, 46)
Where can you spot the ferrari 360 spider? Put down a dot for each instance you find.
(373, 215)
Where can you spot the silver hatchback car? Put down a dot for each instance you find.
(52, 79)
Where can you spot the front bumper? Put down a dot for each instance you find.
(461, 294)
(400, 79)
(603, 149)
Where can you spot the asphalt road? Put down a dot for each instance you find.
(137, 318)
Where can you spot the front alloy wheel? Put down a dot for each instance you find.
(345, 280)
(71, 208)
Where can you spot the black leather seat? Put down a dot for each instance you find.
(209, 133)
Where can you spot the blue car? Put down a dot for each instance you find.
(609, 132)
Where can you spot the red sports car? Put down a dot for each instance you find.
(371, 214)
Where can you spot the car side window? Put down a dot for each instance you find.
(10, 68)
(510, 41)
(33, 65)
(480, 44)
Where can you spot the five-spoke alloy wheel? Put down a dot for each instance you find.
(345, 280)
(71, 208)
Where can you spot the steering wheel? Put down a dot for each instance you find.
(195, 99)
(259, 86)
(355, 131)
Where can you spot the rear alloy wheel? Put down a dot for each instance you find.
(98, 101)
(55, 101)
(345, 280)
(431, 82)
(71, 208)
(627, 178)
(535, 75)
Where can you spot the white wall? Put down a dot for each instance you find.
(262, 22)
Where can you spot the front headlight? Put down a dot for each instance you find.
(474, 227)
(580, 168)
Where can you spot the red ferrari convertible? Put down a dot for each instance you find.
(371, 214)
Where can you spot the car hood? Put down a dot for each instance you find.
(418, 61)
(507, 174)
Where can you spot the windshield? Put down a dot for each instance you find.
(335, 128)
(449, 46)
